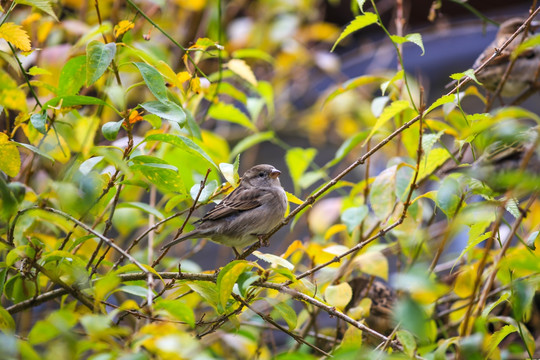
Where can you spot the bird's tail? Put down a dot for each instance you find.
(179, 239)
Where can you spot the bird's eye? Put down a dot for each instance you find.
(261, 174)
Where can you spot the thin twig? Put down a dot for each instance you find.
(269, 320)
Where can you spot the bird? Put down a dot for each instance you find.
(525, 68)
(499, 165)
(251, 210)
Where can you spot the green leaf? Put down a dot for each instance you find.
(448, 196)
(415, 38)
(159, 173)
(183, 143)
(98, 59)
(396, 77)
(360, 22)
(76, 100)
(227, 112)
(43, 5)
(177, 309)
(530, 43)
(229, 173)
(227, 278)
(34, 70)
(207, 290)
(142, 206)
(353, 216)
(346, 147)
(407, 340)
(286, 312)
(89, 164)
(254, 54)
(34, 149)
(7, 324)
(135, 290)
(497, 337)
(298, 160)
(154, 80)
(250, 141)
(167, 110)
(353, 84)
(42, 332)
(432, 161)
(388, 113)
(39, 122)
(445, 99)
(71, 81)
(110, 129)
(382, 194)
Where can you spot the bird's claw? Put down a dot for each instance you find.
(263, 242)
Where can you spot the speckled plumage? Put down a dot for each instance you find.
(524, 69)
(256, 206)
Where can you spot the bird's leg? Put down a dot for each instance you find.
(262, 241)
(236, 252)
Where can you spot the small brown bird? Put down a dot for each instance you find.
(256, 206)
(524, 71)
(499, 165)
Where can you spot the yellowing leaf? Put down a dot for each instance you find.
(183, 76)
(334, 229)
(389, 112)
(362, 310)
(382, 194)
(464, 284)
(435, 158)
(274, 260)
(10, 159)
(44, 30)
(295, 245)
(122, 27)
(16, 35)
(373, 263)
(338, 295)
(240, 68)
(352, 338)
(11, 96)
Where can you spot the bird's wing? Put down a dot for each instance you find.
(241, 199)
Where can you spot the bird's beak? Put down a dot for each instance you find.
(275, 173)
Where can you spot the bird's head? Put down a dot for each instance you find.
(262, 176)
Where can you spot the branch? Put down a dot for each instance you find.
(269, 320)
(82, 225)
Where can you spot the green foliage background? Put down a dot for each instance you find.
(116, 133)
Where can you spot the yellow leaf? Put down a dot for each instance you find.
(183, 76)
(44, 30)
(10, 159)
(16, 35)
(338, 295)
(31, 18)
(373, 263)
(296, 245)
(168, 73)
(240, 68)
(193, 5)
(465, 282)
(334, 229)
(122, 27)
(11, 96)
(362, 310)
(352, 338)
(195, 85)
